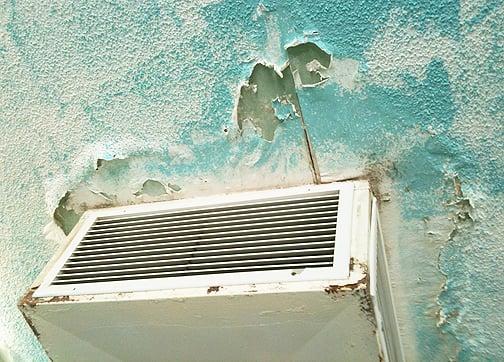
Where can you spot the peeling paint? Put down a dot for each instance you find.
(28, 300)
(112, 184)
(265, 86)
(361, 289)
(152, 188)
(409, 94)
(306, 61)
(312, 66)
(65, 217)
(283, 109)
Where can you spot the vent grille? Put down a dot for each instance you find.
(290, 233)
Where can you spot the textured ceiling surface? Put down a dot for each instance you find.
(108, 103)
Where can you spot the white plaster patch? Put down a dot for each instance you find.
(188, 11)
(180, 154)
(338, 162)
(58, 185)
(199, 136)
(273, 53)
(5, 354)
(479, 65)
(399, 50)
(54, 233)
(261, 10)
(399, 144)
(469, 9)
(344, 72)
(314, 66)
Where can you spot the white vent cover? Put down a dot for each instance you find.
(294, 234)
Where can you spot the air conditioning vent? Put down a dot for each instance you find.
(206, 239)
(266, 275)
(266, 235)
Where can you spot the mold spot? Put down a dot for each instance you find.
(267, 100)
(253, 289)
(366, 304)
(63, 298)
(214, 289)
(341, 289)
(99, 163)
(32, 326)
(28, 299)
(333, 289)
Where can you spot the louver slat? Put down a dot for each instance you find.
(235, 210)
(291, 233)
(225, 226)
(191, 261)
(207, 250)
(167, 246)
(229, 269)
(265, 233)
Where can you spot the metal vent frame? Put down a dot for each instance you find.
(339, 271)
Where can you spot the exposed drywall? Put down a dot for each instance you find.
(407, 93)
(117, 182)
(261, 99)
(307, 60)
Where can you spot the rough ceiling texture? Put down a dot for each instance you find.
(111, 102)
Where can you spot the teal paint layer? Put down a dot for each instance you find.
(424, 134)
(155, 84)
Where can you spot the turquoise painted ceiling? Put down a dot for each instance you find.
(111, 102)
